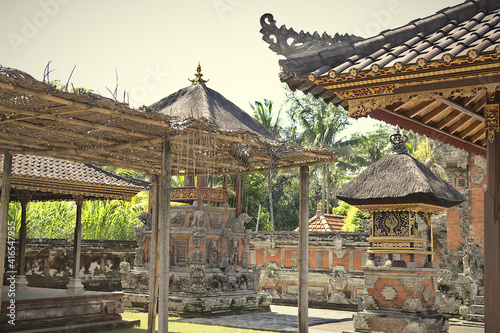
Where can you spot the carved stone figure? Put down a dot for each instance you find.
(238, 224)
(246, 239)
(224, 238)
(139, 234)
(197, 258)
(198, 219)
(176, 219)
(212, 253)
(145, 218)
(234, 252)
(139, 257)
(198, 236)
(224, 260)
(244, 259)
(216, 220)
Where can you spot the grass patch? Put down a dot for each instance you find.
(175, 326)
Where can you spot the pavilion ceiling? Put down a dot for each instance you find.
(37, 119)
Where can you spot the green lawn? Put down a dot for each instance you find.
(175, 326)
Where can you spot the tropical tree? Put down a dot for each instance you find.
(263, 112)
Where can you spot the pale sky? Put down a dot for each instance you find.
(155, 45)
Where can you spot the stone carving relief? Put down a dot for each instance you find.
(238, 224)
(224, 238)
(198, 219)
(244, 259)
(224, 260)
(369, 302)
(197, 277)
(197, 258)
(139, 257)
(145, 218)
(198, 236)
(272, 278)
(234, 252)
(370, 280)
(139, 234)
(426, 293)
(216, 220)
(340, 278)
(212, 253)
(412, 305)
(246, 239)
(177, 219)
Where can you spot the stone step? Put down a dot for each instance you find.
(479, 300)
(477, 309)
(475, 317)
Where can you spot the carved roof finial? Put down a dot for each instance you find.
(198, 75)
(398, 143)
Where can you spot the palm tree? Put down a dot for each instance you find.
(263, 113)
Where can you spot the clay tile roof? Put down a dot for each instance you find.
(464, 30)
(326, 222)
(66, 177)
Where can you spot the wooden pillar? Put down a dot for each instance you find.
(4, 215)
(164, 236)
(492, 239)
(154, 255)
(75, 285)
(238, 195)
(22, 236)
(199, 192)
(303, 249)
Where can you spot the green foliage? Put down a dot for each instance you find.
(351, 222)
(101, 219)
(263, 112)
(341, 209)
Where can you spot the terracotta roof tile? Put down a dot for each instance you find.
(67, 171)
(326, 222)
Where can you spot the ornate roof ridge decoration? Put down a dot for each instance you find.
(398, 142)
(198, 75)
(302, 42)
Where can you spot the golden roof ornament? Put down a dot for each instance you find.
(198, 75)
(319, 207)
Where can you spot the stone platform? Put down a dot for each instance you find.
(41, 308)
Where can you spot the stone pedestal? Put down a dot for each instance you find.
(400, 300)
(75, 286)
(21, 282)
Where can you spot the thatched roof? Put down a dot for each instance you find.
(202, 103)
(53, 179)
(398, 179)
(38, 119)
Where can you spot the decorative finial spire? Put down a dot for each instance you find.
(198, 75)
(319, 206)
(399, 143)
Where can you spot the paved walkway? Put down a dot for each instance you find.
(284, 319)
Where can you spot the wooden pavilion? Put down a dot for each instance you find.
(438, 76)
(37, 119)
(36, 178)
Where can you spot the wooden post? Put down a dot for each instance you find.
(199, 192)
(4, 206)
(303, 249)
(164, 236)
(153, 255)
(492, 239)
(238, 195)
(22, 236)
(75, 285)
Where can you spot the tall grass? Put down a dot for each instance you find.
(101, 219)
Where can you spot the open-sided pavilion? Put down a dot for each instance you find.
(438, 76)
(37, 119)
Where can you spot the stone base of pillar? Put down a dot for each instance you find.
(389, 321)
(21, 282)
(75, 286)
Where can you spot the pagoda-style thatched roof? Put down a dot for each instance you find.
(38, 119)
(199, 102)
(53, 179)
(399, 179)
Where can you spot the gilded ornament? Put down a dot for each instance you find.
(491, 120)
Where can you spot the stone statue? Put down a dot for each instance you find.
(212, 253)
(238, 224)
(146, 219)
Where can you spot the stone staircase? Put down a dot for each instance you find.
(476, 310)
